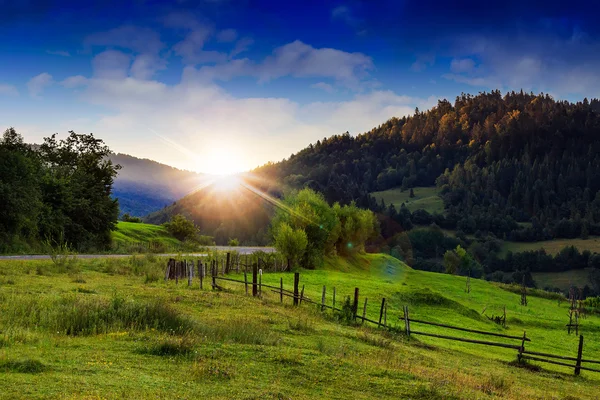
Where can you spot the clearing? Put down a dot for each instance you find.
(426, 198)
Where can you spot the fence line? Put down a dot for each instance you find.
(183, 269)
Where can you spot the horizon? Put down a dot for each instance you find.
(219, 88)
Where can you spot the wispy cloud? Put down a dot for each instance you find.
(8, 90)
(38, 83)
(323, 86)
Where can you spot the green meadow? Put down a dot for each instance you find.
(112, 328)
(426, 198)
(131, 236)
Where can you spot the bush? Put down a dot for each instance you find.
(233, 242)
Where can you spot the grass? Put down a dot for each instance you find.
(426, 198)
(127, 337)
(562, 280)
(135, 237)
(553, 246)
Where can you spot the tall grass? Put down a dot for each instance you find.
(75, 315)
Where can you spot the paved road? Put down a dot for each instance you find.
(241, 250)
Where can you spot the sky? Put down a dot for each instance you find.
(221, 86)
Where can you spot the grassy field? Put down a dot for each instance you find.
(553, 246)
(562, 280)
(426, 198)
(109, 328)
(129, 235)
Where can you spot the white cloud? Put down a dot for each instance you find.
(200, 116)
(301, 60)
(531, 60)
(227, 36)
(111, 64)
(462, 65)
(422, 62)
(138, 39)
(298, 60)
(9, 90)
(38, 83)
(241, 46)
(59, 53)
(323, 86)
(74, 81)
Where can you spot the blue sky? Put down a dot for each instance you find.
(224, 85)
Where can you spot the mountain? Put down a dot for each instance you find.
(497, 160)
(144, 186)
(226, 208)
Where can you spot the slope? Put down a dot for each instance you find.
(228, 345)
(143, 186)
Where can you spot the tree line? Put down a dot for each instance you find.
(499, 160)
(56, 193)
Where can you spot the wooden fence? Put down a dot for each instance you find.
(181, 269)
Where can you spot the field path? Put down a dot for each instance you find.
(241, 250)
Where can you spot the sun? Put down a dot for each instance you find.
(219, 160)
(226, 183)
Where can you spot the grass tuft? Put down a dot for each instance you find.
(26, 366)
(170, 347)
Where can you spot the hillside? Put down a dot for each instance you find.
(492, 168)
(224, 210)
(144, 186)
(228, 345)
(131, 237)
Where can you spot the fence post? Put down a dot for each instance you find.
(355, 304)
(385, 314)
(246, 282)
(201, 272)
(381, 311)
(281, 292)
(214, 279)
(260, 283)
(364, 311)
(228, 261)
(168, 270)
(302, 295)
(323, 299)
(254, 280)
(406, 321)
(177, 268)
(334, 298)
(296, 284)
(522, 348)
(579, 354)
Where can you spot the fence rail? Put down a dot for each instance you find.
(177, 270)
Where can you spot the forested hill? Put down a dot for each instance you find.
(144, 186)
(498, 160)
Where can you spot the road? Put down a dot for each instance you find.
(241, 250)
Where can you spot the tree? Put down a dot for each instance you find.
(20, 196)
(76, 191)
(290, 242)
(181, 228)
(128, 218)
(233, 242)
(451, 262)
